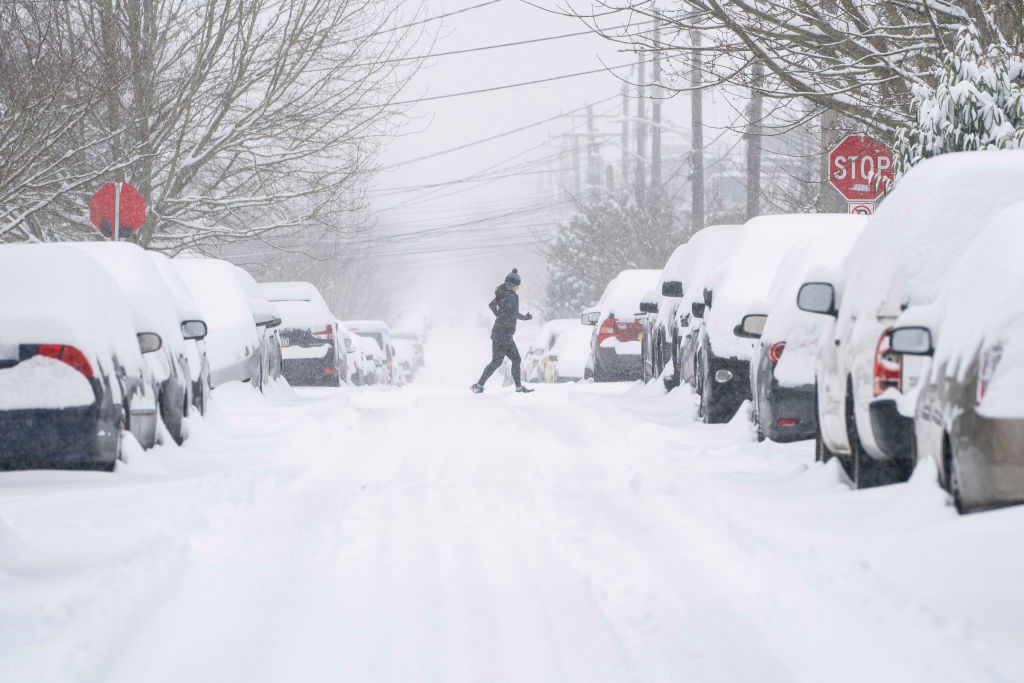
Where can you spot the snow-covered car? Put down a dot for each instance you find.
(969, 417)
(381, 333)
(723, 355)
(570, 356)
(616, 342)
(355, 362)
(375, 363)
(72, 374)
(534, 360)
(239, 339)
(782, 368)
(310, 350)
(705, 251)
(658, 332)
(193, 329)
(900, 260)
(153, 309)
(406, 358)
(416, 342)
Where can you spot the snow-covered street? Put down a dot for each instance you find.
(589, 532)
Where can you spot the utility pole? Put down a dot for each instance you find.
(696, 135)
(641, 129)
(625, 136)
(593, 161)
(656, 109)
(755, 138)
(576, 180)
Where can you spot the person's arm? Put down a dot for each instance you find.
(493, 306)
(521, 316)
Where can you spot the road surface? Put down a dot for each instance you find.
(582, 533)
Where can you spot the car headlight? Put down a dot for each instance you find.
(723, 376)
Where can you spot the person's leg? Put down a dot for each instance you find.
(513, 355)
(497, 355)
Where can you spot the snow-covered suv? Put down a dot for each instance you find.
(918, 233)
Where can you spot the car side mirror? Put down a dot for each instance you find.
(149, 342)
(697, 309)
(708, 296)
(817, 297)
(193, 329)
(590, 317)
(912, 341)
(751, 326)
(648, 307)
(684, 321)
(271, 321)
(672, 288)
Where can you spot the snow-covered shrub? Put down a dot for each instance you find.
(977, 104)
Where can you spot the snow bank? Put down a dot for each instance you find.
(800, 330)
(761, 246)
(65, 297)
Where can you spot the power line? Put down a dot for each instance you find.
(494, 88)
(420, 22)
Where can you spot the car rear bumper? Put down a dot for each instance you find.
(64, 438)
(620, 366)
(788, 413)
(990, 461)
(311, 371)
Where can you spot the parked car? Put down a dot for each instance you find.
(706, 250)
(311, 351)
(405, 359)
(154, 309)
(356, 368)
(533, 365)
(193, 329)
(375, 361)
(570, 355)
(416, 342)
(918, 233)
(782, 369)
(658, 333)
(616, 341)
(72, 375)
(240, 338)
(724, 350)
(381, 333)
(968, 416)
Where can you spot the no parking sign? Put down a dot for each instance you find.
(862, 208)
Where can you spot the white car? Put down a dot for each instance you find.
(569, 357)
(535, 359)
(916, 236)
(310, 350)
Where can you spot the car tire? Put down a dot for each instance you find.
(952, 475)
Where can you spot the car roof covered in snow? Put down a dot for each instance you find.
(761, 245)
(150, 296)
(368, 326)
(60, 295)
(186, 304)
(923, 227)
(299, 304)
(226, 307)
(707, 249)
(621, 297)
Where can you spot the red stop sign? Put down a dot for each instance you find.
(860, 167)
(104, 211)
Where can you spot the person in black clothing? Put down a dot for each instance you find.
(505, 307)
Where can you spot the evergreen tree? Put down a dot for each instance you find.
(977, 104)
(607, 235)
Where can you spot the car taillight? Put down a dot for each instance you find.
(888, 366)
(327, 333)
(606, 330)
(989, 361)
(775, 351)
(67, 354)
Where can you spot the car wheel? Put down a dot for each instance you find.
(952, 475)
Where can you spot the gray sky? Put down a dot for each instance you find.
(463, 263)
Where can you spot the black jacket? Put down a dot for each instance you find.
(505, 307)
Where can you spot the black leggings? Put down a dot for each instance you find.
(499, 350)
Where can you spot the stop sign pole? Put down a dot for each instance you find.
(860, 169)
